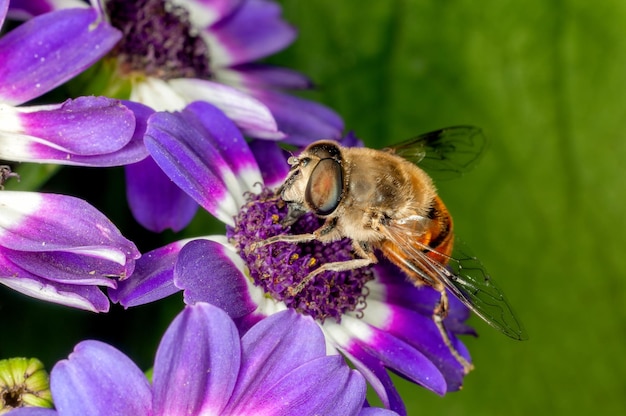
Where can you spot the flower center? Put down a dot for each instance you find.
(278, 268)
(12, 399)
(23, 382)
(158, 40)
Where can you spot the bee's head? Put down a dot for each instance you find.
(316, 178)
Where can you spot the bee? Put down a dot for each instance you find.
(385, 203)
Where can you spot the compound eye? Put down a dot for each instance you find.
(323, 192)
(324, 150)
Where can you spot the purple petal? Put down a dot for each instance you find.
(86, 126)
(376, 411)
(378, 377)
(248, 113)
(303, 121)
(4, 6)
(351, 140)
(395, 354)
(26, 9)
(275, 346)
(274, 168)
(152, 280)
(156, 202)
(88, 298)
(423, 300)
(67, 268)
(31, 221)
(458, 313)
(97, 379)
(203, 13)
(254, 31)
(272, 349)
(228, 141)
(197, 363)
(184, 149)
(133, 152)
(210, 272)
(180, 150)
(421, 332)
(54, 47)
(399, 291)
(255, 75)
(248, 321)
(324, 386)
(103, 125)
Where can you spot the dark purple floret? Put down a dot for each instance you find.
(158, 40)
(279, 267)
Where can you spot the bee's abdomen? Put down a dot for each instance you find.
(440, 235)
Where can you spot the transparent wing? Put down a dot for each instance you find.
(445, 153)
(464, 276)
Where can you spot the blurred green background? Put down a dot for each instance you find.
(546, 80)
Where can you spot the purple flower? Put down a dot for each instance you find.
(40, 55)
(60, 249)
(54, 247)
(202, 366)
(175, 53)
(179, 52)
(373, 316)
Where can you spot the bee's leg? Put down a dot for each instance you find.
(338, 266)
(294, 239)
(439, 313)
(322, 233)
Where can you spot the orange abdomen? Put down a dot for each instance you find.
(436, 243)
(439, 237)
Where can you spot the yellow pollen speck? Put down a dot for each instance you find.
(293, 258)
(275, 218)
(312, 262)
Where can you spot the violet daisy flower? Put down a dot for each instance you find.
(55, 247)
(179, 51)
(373, 315)
(176, 52)
(38, 56)
(60, 249)
(202, 366)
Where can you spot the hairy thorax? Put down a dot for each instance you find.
(381, 187)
